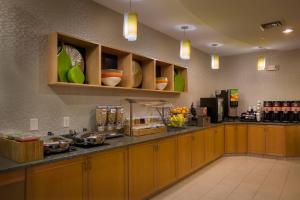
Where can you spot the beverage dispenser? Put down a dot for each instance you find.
(233, 103)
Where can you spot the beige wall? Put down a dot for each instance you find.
(24, 93)
(240, 72)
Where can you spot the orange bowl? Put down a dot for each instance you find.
(105, 73)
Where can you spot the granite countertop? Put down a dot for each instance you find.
(7, 165)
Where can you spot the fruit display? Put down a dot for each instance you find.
(178, 116)
(179, 110)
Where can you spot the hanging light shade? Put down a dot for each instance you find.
(215, 61)
(185, 49)
(130, 26)
(261, 63)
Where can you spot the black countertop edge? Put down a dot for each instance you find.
(9, 165)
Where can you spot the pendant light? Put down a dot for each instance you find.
(185, 46)
(215, 61)
(261, 63)
(130, 25)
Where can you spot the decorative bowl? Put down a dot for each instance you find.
(111, 81)
(161, 83)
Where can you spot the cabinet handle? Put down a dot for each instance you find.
(85, 165)
(89, 165)
(155, 147)
(158, 146)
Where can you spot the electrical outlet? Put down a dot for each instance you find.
(34, 124)
(66, 122)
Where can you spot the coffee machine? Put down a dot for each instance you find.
(214, 107)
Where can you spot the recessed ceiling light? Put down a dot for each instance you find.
(189, 27)
(288, 30)
(215, 44)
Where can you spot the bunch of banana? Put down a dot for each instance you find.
(177, 120)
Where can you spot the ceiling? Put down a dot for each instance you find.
(232, 23)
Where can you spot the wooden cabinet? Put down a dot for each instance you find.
(107, 175)
(184, 154)
(60, 180)
(209, 138)
(256, 139)
(241, 138)
(275, 140)
(292, 140)
(236, 140)
(166, 161)
(12, 185)
(151, 166)
(266, 139)
(219, 141)
(141, 170)
(198, 149)
(230, 138)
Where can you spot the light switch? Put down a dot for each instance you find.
(66, 122)
(34, 124)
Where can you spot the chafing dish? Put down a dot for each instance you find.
(56, 144)
(89, 138)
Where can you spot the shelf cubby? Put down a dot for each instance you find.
(166, 70)
(117, 59)
(183, 72)
(98, 57)
(148, 68)
(90, 51)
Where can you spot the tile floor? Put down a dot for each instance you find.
(240, 178)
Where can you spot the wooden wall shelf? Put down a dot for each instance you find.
(96, 59)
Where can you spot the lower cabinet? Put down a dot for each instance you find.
(152, 166)
(107, 175)
(191, 152)
(236, 138)
(184, 154)
(256, 139)
(219, 141)
(198, 149)
(60, 180)
(166, 161)
(12, 185)
(292, 140)
(267, 139)
(98, 176)
(209, 137)
(275, 140)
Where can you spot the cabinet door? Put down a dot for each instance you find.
(241, 138)
(256, 139)
(219, 141)
(230, 138)
(275, 140)
(209, 145)
(12, 185)
(184, 154)
(107, 175)
(141, 170)
(292, 140)
(62, 180)
(198, 149)
(166, 161)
